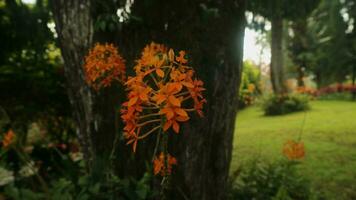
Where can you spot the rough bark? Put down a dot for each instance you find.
(96, 113)
(206, 145)
(74, 28)
(277, 70)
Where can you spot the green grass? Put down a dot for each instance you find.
(329, 135)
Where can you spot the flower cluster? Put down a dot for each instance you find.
(103, 65)
(159, 166)
(160, 95)
(294, 150)
(8, 138)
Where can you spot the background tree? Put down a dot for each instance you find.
(350, 7)
(212, 34)
(327, 53)
(276, 11)
(298, 48)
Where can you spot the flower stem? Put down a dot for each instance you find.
(148, 133)
(148, 122)
(157, 142)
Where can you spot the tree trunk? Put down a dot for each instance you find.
(277, 70)
(300, 76)
(204, 147)
(96, 113)
(75, 30)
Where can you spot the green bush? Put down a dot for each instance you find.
(284, 104)
(249, 87)
(87, 189)
(280, 180)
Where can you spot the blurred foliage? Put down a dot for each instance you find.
(33, 102)
(250, 84)
(281, 180)
(86, 189)
(286, 9)
(47, 170)
(322, 44)
(31, 72)
(83, 187)
(284, 104)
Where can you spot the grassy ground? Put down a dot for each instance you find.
(329, 135)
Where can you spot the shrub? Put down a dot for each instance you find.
(279, 180)
(87, 189)
(249, 87)
(284, 104)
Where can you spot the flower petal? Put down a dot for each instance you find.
(182, 119)
(132, 101)
(174, 101)
(167, 125)
(175, 127)
(160, 73)
(187, 84)
(181, 112)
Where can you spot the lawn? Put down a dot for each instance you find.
(329, 134)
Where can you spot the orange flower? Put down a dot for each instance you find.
(163, 164)
(174, 114)
(151, 57)
(167, 93)
(181, 58)
(294, 150)
(8, 138)
(251, 88)
(103, 65)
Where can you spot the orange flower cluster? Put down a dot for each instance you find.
(294, 150)
(160, 96)
(103, 65)
(8, 138)
(159, 166)
(163, 83)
